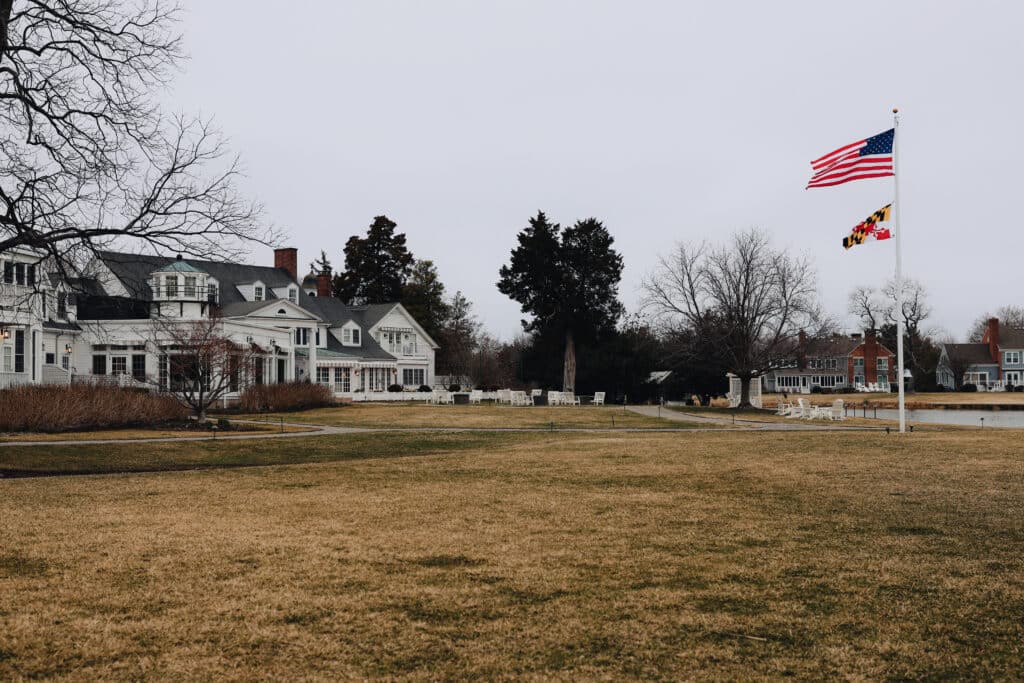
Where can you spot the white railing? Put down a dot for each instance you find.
(14, 379)
(111, 380)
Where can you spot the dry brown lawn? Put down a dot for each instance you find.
(617, 556)
(137, 433)
(475, 416)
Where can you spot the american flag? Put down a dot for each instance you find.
(870, 158)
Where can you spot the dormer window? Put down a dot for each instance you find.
(62, 305)
(355, 336)
(293, 295)
(257, 293)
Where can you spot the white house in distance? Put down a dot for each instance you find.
(107, 326)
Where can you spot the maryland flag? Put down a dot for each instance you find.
(870, 227)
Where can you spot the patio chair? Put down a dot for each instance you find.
(836, 411)
(476, 396)
(785, 408)
(554, 398)
(536, 392)
(504, 396)
(598, 398)
(569, 398)
(800, 410)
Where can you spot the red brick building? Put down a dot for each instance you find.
(838, 363)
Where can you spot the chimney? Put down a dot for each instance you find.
(801, 350)
(288, 258)
(323, 285)
(870, 337)
(992, 337)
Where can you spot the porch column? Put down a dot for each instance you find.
(312, 354)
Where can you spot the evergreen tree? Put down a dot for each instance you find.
(321, 266)
(458, 338)
(568, 281)
(376, 266)
(423, 297)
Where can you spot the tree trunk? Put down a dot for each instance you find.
(744, 391)
(569, 370)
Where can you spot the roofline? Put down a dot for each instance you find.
(416, 325)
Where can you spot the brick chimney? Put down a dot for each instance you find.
(323, 285)
(288, 258)
(992, 337)
(801, 350)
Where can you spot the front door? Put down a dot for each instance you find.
(803, 385)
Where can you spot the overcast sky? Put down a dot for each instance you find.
(666, 120)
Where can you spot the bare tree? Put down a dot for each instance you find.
(746, 297)
(203, 364)
(1010, 316)
(87, 158)
(867, 304)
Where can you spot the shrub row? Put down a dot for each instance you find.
(35, 408)
(261, 398)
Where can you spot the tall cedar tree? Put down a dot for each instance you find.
(423, 297)
(458, 338)
(322, 266)
(568, 281)
(376, 266)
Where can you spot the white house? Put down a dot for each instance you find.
(110, 325)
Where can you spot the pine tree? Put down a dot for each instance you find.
(568, 281)
(376, 266)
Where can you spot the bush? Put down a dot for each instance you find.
(260, 398)
(816, 389)
(35, 408)
(223, 423)
(454, 387)
(424, 389)
(1019, 387)
(969, 388)
(395, 388)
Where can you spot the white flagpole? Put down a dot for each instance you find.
(899, 265)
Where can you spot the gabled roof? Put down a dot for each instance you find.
(243, 308)
(134, 270)
(1010, 338)
(825, 347)
(972, 354)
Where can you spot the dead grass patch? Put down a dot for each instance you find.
(475, 416)
(722, 555)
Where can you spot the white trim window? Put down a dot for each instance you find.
(1011, 357)
(293, 295)
(343, 380)
(257, 293)
(323, 376)
(787, 381)
(1012, 377)
(413, 377)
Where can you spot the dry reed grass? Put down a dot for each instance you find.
(35, 408)
(263, 398)
(657, 556)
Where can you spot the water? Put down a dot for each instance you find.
(993, 418)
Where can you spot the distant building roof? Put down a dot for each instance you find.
(972, 354)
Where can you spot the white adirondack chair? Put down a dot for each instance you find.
(569, 398)
(554, 398)
(476, 396)
(598, 398)
(504, 396)
(836, 411)
(801, 409)
(785, 408)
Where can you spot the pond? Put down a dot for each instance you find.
(993, 418)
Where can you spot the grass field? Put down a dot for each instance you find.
(695, 555)
(477, 416)
(137, 433)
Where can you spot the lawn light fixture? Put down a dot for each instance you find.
(67, 348)
(5, 333)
